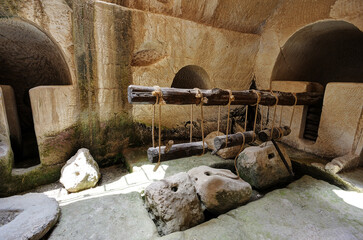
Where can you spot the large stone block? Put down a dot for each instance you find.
(29, 216)
(262, 166)
(80, 172)
(173, 204)
(219, 189)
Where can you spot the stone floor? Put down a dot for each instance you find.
(305, 209)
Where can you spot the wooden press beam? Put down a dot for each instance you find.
(233, 140)
(216, 96)
(176, 151)
(237, 138)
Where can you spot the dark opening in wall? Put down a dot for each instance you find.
(329, 51)
(28, 58)
(191, 76)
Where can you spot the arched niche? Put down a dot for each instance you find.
(28, 58)
(323, 52)
(191, 76)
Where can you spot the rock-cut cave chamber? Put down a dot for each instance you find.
(28, 58)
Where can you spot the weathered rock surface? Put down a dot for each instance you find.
(80, 172)
(225, 153)
(346, 162)
(219, 189)
(306, 209)
(29, 216)
(173, 204)
(262, 166)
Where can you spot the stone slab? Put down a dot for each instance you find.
(119, 216)
(28, 216)
(305, 209)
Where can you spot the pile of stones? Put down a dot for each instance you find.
(179, 202)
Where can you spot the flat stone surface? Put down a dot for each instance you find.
(28, 216)
(306, 209)
(119, 216)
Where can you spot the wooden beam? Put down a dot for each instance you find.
(176, 151)
(237, 138)
(216, 96)
(265, 135)
(233, 140)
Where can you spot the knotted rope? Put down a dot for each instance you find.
(199, 95)
(230, 99)
(160, 101)
(273, 119)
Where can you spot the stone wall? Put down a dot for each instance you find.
(111, 44)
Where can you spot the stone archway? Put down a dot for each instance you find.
(191, 76)
(28, 58)
(323, 52)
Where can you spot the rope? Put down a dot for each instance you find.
(153, 126)
(261, 118)
(159, 100)
(257, 103)
(219, 119)
(293, 109)
(280, 115)
(273, 119)
(231, 99)
(191, 123)
(199, 95)
(246, 118)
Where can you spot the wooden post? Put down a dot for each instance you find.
(216, 96)
(176, 151)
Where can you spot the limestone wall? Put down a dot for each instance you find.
(52, 16)
(291, 16)
(167, 44)
(237, 15)
(56, 112)
(339, 130)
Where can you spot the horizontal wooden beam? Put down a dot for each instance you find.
(176, 151)
(216, 96)
(265, 135)
(237, 138)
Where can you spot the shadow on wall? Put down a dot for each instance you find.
(323, 52)
(191, 76)
(28, 58)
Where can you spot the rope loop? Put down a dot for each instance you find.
(230, 99)
(160, 101)
(199, 95)
(273, 119)
(258, 97)
(159, 95)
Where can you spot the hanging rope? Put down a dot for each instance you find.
(257, 103)
(199, 95)
(293, 109)
(273, 119)
(219, 119)
(230, 99)
(159, 100)
(191, 123)
(281, 115)
(153, 125)
(261, 118)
